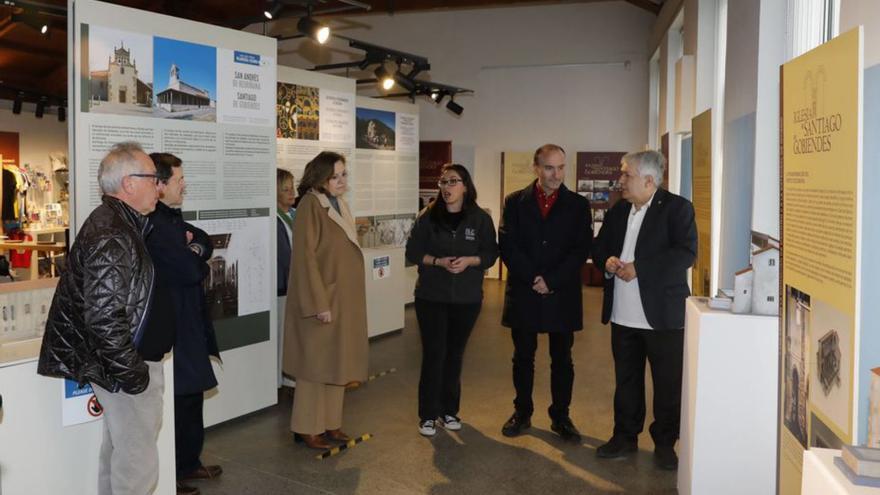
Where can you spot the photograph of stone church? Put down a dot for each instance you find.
(186, 80)
(120, 72)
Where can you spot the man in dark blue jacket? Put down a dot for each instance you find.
(545, 236)
(180, 251)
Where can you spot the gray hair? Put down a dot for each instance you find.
(648, 162)
(119, 162)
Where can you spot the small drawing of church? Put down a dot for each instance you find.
(180, 96)
(120, 83)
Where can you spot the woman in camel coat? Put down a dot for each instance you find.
(325, 341)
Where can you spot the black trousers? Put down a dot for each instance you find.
(189, 432)
(445, 329)
(663, 349)
(525, 343)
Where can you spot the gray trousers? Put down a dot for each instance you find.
(129, 459)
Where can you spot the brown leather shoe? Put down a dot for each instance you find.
(203, 473)
(337, 435)
(187, 490)
(312, 441)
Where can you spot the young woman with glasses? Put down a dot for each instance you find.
(453, 242)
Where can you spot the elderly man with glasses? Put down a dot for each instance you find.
(97, 326)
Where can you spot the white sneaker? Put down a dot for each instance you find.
(451, 423)
(427, 428)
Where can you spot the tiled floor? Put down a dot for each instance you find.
(259, 456)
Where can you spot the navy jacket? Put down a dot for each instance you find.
(285, 247)
(180, 271)
(665, 249)
(555, 248)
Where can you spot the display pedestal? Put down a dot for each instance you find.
(38, 455)
(822, 477)
(386, 291)
(728, 402)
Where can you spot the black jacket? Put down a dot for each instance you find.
(102, 302)
(180, 298)
(665, 249)
(555, 248)
(475, 236)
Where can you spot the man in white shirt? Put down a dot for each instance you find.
(646, 245)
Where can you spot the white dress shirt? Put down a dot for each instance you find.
(627, 309)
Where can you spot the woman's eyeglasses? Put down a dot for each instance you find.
(448, 182)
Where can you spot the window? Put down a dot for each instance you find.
(809, 24)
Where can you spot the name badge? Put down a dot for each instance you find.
(470, 234)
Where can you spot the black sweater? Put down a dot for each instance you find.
(474, 236)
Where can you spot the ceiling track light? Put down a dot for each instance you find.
(33, 20)
(385, 80)
(272, 11)
(41, 107)
(405, 82)
(16, 104)
(313, 29)
(438, 95)
(454, 107)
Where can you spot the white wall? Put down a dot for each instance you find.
(37, 137)
(596, 104)
(867, 13)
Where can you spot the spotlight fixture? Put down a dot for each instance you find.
(405, 82)
(384, 78)
(272, 11)
(313, 29)
(62, 112)
(16, 104)
(41, 107)
(33, 20)
(454, 107)
(438, 95)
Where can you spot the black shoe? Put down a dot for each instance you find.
(516, 424)
(565, 429)
(616, 447)
(665, 458)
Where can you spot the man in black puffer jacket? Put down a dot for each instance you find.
(96, 327)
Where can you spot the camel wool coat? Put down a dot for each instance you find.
(326, 274)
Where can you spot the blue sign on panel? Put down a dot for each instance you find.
(247, 58)
(72, 389)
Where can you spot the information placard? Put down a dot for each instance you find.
(821, 172)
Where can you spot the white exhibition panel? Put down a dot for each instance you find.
(226, 139)
(386, 297)
(333, 98)
(728, 402)
(40, 456)
(385, 179)
(822, 477)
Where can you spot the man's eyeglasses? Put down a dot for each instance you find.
(448, 182)
(147, 176)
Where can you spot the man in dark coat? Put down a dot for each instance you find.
(545, 236)
(647, 243)
(180, 251)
